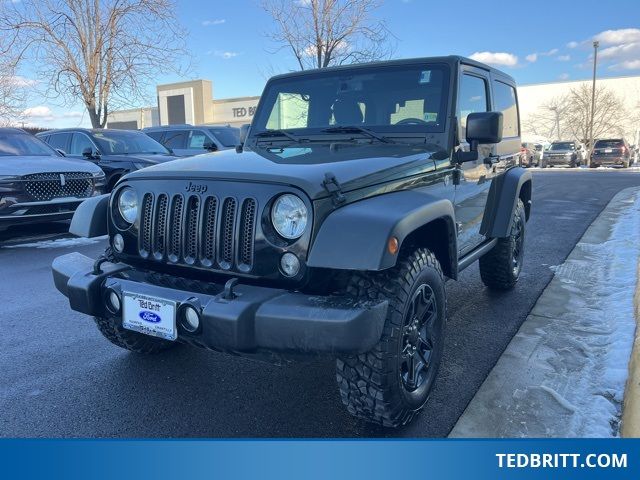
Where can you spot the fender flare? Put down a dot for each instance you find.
(355, 237)
(501, 204)
(90, 218)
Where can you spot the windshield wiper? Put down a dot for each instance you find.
(356, 129)
(278, 133)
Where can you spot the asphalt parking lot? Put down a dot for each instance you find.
(60, 378)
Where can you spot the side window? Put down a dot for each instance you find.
(80, 142)
(197, 139)
(176, 139)
(59, 140)
(472, 98)
(505, 102)
(157, 136)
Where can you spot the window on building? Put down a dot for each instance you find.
(472, 98)
(505, 102)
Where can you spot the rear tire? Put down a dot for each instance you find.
(391, 383)
(501, 267)
(130, 340)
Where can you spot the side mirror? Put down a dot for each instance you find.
(244, 132)
(209, 146)
(482, 127)
(88, 154)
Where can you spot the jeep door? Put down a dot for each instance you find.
(474, 177)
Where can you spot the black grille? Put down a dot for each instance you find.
(247, 223)
(228, 221)
(47, 186)
(205, 231)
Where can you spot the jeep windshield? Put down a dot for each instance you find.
(112, 142)
(371, 103)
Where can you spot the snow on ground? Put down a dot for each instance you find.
(60, 243)
(564, 373)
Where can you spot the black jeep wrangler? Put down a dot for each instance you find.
(331, 230)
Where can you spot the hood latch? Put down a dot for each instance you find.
(331, 185)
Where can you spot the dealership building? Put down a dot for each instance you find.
(187, 102)
(193, 102)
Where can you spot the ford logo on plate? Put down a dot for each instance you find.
(148, 316)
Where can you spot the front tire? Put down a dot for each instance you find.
(501, 267)
(391, 383)
(130, 340)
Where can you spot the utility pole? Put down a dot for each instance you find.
(596, 44)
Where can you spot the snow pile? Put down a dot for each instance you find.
(600, 327)
(60, 243)
(564, 372)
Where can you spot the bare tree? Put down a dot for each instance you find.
(610, 116)
(104, 53)
(567, 116)
(549, 120)
(11, 93)
(322, 33)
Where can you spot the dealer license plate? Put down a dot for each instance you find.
(149, 315)
(608, 150)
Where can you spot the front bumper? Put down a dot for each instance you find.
(257, 319)
(558, 161)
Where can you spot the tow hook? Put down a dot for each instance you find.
(228, 293)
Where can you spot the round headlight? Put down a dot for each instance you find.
(289, 216)
(128, 205)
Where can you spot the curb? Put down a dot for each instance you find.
(570, 370)
(631, 409)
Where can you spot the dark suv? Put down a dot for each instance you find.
(187, 140)
(357, 192)
(37, 184)
(612, 152)
(563, 153)
(116, 152)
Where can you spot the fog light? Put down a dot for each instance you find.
(113, 302)
(190, 319)
(118, 243)
(290, 264)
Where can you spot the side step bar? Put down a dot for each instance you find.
(471, 257)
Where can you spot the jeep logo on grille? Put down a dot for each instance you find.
(197, 188)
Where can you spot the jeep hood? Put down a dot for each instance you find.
(354, 166)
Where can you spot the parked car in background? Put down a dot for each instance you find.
(187, 140)
(529, 156)
(565, 153)
(614, 151)
(116, 152)
(38, 184)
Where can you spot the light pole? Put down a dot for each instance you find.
(596, 44)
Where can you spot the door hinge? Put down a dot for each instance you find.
(331, 185)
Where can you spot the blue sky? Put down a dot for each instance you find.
(542, 41)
